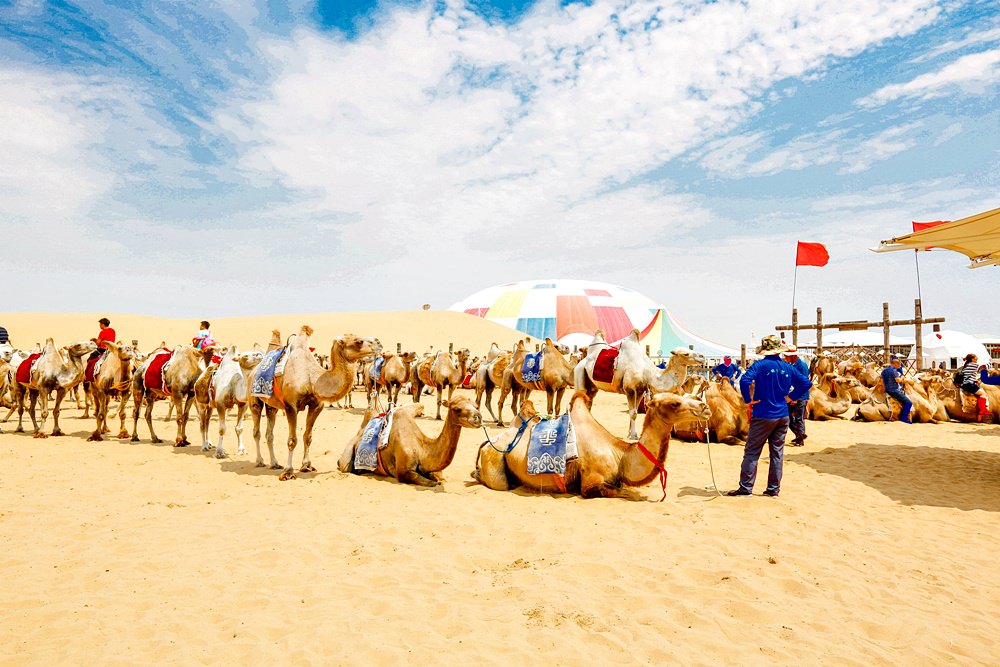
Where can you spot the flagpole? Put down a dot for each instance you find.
(795, 281)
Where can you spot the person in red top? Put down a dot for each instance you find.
(107, 333)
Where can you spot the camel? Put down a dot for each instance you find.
(885, 408)
(490, 375)
(56, 370)
(305, 385)
(179, 377)
(220, 388)
(605, 463)
(728, 424)
(439, 371)
(556, 374)
(961, 406)
(830, 398)
(634, 373)
(821, 365)
(109, 383)
(395, 371)
(411, 456)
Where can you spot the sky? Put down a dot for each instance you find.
(236, 158)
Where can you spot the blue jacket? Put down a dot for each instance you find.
(732, 371)
(801, 367)
(986, 378)
(773, 380)
(889, 375)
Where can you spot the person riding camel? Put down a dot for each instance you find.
(970, 385)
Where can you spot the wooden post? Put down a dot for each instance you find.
(795, 326)
(536, 347)
(743, 356)
(918, 320)
(819, 330)
(885, 332)
(451, 347)
(647, 350)
(399, 348)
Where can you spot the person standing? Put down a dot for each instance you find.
(890, 380)
(204, 338)
(797, 410)
(776, 385)
(727, 369)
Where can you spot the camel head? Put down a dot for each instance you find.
(6, 352)
(123, 350)
(353, 348)
(465, 412)
(251, 359)
(687, 357)
(599, 338)
(841, 386)
(675, 408)
(80, 349)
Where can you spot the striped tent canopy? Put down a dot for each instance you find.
(567, 311)
(664, 333)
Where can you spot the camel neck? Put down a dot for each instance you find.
(637, 470)
(444, 447)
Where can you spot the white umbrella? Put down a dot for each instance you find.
(948, 345)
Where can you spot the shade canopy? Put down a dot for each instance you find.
(664, 333)
(977, 237)
(951, 348)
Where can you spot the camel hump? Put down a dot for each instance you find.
(306, 330)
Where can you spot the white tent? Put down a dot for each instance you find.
(951, 348)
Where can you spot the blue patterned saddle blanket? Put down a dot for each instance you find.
(374, 438)
(552, 444)
(531, 370)
(375, 372)
(263, 377)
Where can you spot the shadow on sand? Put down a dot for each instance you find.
(934, 476)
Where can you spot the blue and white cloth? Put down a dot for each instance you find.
(263, 377)
(551, 445)
(374, 438)
(531, 370)
(375, 372)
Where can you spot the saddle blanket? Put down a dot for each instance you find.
(604, 367)
(467, 381)
(375, 372)
(374, 438)
(94, 364)
(531, 370)
(23, 374)
(153, 378)
(263, 377)
(551, 445)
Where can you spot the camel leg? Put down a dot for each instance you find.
(136, 404)
(60, 395)
(503, 396)
(183, 409)
(633, 410)
(440, 398)
(149, 420)
(97, 435)
(241, 410)
(256, 407)
(122, 432)
(291, 414)
(489, 401)
(220, 450)
(592, 485)
(32, 400)
(204, 420)
(559, 398)
(272, 417)
(308, 436)
(413, 477)
(41, 395)
(417, 389)
(170, 412)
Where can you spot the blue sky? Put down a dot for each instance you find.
(289, 157)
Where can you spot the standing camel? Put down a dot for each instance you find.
(221, 388)
(439, 372)
(305, 385)
(489, 375)
(556, 374)
(175, 383)
(56, 370)
(111, 381)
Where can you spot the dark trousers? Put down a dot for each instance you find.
(797, 421)
(773, 432)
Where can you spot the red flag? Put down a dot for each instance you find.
(811, 254)
(920, 226)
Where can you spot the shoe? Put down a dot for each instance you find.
(773, 494)
(796, 443)
(906, 421)
(737, 492)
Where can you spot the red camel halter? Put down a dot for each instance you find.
(659, 467)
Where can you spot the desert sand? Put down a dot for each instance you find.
(881, 550)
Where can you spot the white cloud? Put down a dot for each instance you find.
(972, 73)
(973, 38)
(948, 133)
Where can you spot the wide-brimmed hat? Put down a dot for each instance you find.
(790, 350)
(770, 346)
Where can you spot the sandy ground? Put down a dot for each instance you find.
(881, 550)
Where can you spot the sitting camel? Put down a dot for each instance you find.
(439, 371)
(830, 398)
(822, 364)
(223, 387)
(634, 373)
(728, 424)
(885, 408)
(604, 463)
(411, 456)
(305, 385)
(112, 381)
(556, 374)
(178, 380)
(56, 370)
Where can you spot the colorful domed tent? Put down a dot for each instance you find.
(570, 311)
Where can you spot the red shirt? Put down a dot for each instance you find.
(105, 335)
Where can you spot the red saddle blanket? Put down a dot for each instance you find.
(153, 379)
(88, 376)
(23, 374)
(467, 381)
(604, 367)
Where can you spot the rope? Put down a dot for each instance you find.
(708, 441)
(517, 436)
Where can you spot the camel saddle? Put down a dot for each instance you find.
(467, 381)
(604, 366)
(262, 385)
(23, 375)
(551, 445)
(531, 369)
(153, 378)
(94, 364)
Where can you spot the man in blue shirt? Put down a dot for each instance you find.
(728, 369)
(890, 377)
(775, 385)
(797, 411)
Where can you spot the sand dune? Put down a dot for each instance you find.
(882, 550)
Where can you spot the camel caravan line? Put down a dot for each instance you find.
(553, 452)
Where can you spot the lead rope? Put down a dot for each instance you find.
(708, 443)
